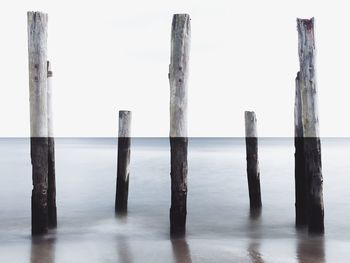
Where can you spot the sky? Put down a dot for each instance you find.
(111, 55)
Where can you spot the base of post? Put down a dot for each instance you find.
(316, 219)
(39, 212)
(178, 214)
(255, 213)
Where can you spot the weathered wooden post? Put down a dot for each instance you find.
(51, 193)
(121, 199)
(178, 74)
(301, 182)
(312, 144)
(253, 172)
(37, 52)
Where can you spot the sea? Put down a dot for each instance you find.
(220, 227)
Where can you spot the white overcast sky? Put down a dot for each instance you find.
(109, 55)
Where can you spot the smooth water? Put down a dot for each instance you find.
(219, 225)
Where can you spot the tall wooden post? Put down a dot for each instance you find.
(312, 144)
(37, 51)
(51, 194)
(301, 182)
(121, 200)
(253, 173)
(178, 74)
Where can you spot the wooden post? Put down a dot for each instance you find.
(37, 52)
(178, 74)
(121, 200)
(301, 182)
(312, 144)
(253, 172)
(51, 193)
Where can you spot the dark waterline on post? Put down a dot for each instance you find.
(51, 195)
(39, 157)
(312, 151)
(253, 173)
(178, 173)
(301, 185)
(121, 201)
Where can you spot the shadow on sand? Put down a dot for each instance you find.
(123, 250)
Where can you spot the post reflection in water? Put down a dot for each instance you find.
(310, 248)
(255, 235)
(123, 250)
(42, 250)
(253, 252)
(181, 250)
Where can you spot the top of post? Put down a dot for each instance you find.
(307, 23)
(124, 123)
(178, 74)
(181, 24)
(181, 18)
(250, 124)
(306, 33)
(307, 75)
(37, 62)
(37, 16)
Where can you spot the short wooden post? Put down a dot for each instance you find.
(121, 200)
(301, 182)
(178, 74)
(37, 52)
(51, 193)
(312, 144)
(253, 172)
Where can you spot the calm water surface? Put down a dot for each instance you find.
(219, 226)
